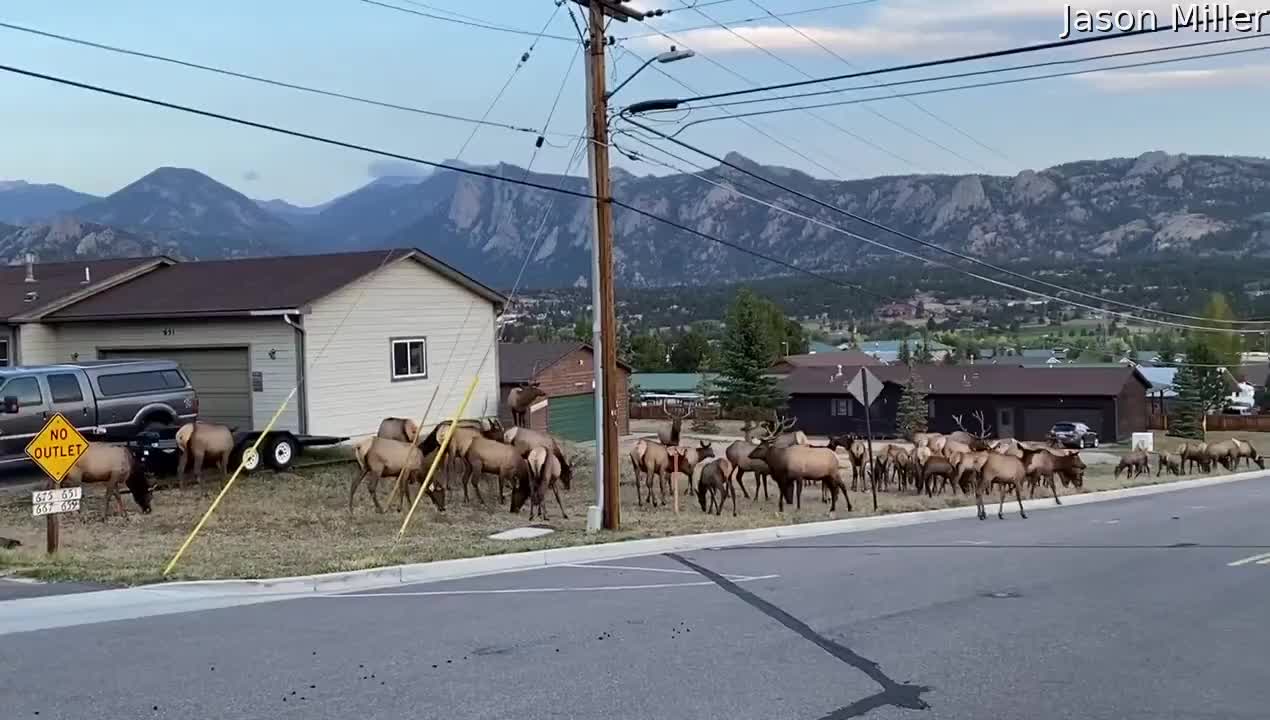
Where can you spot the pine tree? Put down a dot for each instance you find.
(1186, 419)
(747, 354)
(703, 418)
(911, 412)
(923, 356)
(905, 355)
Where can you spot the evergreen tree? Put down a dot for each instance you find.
(905, 355)
(747, 355)
(703, 418)
(923, 356)
(691, 352)
(1186, 419)
(911, 412)
(1201, 390)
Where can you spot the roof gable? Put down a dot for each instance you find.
(57, 283)
(522, 362)
(247, 286)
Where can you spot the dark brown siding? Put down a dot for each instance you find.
(571, 375)
(1132, 406)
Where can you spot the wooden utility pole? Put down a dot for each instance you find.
(605, 308)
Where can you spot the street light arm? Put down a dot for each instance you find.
(630, 77)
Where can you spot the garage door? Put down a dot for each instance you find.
(222, 377)
(1038, 421)
(572, 417)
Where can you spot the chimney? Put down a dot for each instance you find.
(88, 277)
(30, 267)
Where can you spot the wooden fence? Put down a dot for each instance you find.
(1229, 423)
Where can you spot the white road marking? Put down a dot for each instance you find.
(1252, 559)
(1197, 507)
(974, 542)
(1112, 522)
(631, 567)
(517, 591)
(1264, 562)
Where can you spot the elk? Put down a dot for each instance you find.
(670, 436)
(714, 478)
(689, 458)
(976, 440)
(1171, 461)
(1249, 453)
(783, 434)
(112, 465)
(793, 465)
(200, 442)
(1004, 472)
(520, 399)
(525, 439)
(379, 458)
(492, 457)
(650, 458)
(1225, 452)
(400, 429)
(544, 470)
(1134, 463)
(857, 453)
(1045, 466)
(923, 439)
(936, 466)
(1194, 453)
(460, 441)
(969, 469)
(738, 455)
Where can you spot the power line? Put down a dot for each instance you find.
(924, 243)
(993, 83)
(826, 121)
(1005, 52)
(910, 101)
(468, 23)
(805, 74)
(979, 73)
(270, 81)
(757, 18)
(412, 159)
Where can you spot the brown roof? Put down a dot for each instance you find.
(854, 358)
(975, 380)
(55, 281)
(522, 362)
(236, 287)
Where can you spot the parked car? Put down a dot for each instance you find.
(1073, 434)
(108, 399)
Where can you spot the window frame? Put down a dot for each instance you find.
(5, 358)
(393, 342)
(4, 391)
(53, 398)
(162, 387)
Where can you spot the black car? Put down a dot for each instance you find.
(1072, 434)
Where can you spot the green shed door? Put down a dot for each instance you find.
(572, 417)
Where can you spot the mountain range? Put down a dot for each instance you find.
(1156, 203)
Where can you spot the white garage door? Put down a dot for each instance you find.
(222, 377)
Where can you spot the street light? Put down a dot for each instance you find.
(669, 56)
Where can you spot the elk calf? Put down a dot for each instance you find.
(714, 478)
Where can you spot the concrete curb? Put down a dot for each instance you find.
(491, 564)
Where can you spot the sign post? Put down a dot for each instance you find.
(55, 449)
(865, 387)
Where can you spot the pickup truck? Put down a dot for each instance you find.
(106, 400)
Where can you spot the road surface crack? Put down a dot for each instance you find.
(901, 695)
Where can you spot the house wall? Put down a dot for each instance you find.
(350, 385)
(52, 343)
(1133, 408)
(572, 375)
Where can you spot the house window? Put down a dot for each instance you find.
(4, 353)
(841, 407)
(409, 358)
(930, 409)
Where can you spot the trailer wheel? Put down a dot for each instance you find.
(282, 452)
(250, 459)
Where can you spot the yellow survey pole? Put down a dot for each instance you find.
(445, 442)
(255, 448)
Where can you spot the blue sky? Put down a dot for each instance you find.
(98, 144)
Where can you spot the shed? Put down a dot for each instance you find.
(1015, 401)
(359, 336)
(565, 371)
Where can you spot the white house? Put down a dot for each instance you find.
(360, 336)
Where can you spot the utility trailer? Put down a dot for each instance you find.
(278, 450)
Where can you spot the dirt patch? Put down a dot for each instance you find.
(298, 523)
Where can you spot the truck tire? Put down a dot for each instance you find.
(281, 452)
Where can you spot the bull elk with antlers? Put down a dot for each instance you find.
(976, 440)
(670, 436)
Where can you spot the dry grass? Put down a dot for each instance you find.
(297, 523)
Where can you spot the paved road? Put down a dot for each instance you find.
(1138, 609)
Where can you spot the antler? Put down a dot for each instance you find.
(784, 424)
(679, 413)
(983, 425)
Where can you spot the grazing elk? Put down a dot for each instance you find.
(399, 429)
(200, 442)
(669, 436)
(936, 466)
(1195, 453)
(793, 465)
(689, 458)
(460, 442)
(520, 399)
(112, 465)
(1249, 453)
(525, 439)
(650, 458)
(1045, 467)
(714, 479)
(1133, 464)
(493, 457)
(544, 471)
(379, 458)
(1005, 472)
(738, 455)
(1170, 461)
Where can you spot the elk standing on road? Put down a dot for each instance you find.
(1005, 472)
